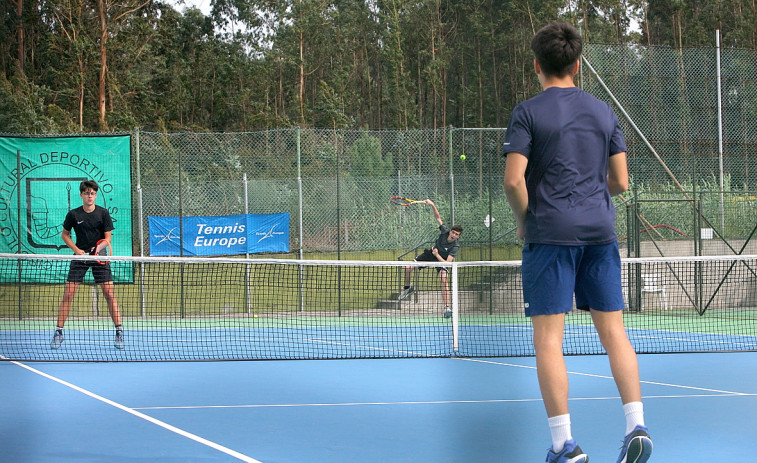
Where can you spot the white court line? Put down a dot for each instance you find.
(132, 411)
(713, 393)
(607, 377)
(423, 402)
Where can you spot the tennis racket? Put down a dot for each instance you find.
(102, 249)
(400, 201)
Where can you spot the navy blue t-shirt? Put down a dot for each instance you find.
(567, 136)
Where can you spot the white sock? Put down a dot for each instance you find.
(559, 426)
(634, 415)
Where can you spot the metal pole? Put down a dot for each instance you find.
(181, 241)
(720, 129)
(300, 206)
(451, 182)
(299, 186)
(141, 251)
(455, 308)
(140, 207)
(338, 230)
(18, 225)
(246, 254)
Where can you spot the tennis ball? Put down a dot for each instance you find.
(462, 157)
(256, 315)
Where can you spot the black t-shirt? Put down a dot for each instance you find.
(89, 227)
(446, 248)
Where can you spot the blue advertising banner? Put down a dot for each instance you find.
(219, 235)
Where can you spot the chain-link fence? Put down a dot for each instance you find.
(336, 184)
(679, 133)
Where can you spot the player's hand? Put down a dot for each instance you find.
(435, 252)
(428, 202)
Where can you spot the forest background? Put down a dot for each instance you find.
(71, 66)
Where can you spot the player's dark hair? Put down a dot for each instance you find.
(87, 184)
(457, 228)
(556, 47)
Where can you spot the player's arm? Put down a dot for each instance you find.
(617, 174)
(438, 256)
(107, 237)
(66, 235)
(515, 189)
(436, 211)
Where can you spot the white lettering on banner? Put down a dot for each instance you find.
(205, 234)
(202, 241)
(203, 228)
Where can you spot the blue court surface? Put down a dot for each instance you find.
(699, 407)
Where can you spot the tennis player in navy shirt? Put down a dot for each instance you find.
(566, 157)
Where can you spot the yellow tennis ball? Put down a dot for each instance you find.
(462, 157)
(256, 315)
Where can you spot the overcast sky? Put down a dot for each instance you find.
(203, 5)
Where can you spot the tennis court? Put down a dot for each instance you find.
(699, 407)
(347, 373)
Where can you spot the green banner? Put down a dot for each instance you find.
(39, 184)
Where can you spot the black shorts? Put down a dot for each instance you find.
(78, 269)
(429, 256)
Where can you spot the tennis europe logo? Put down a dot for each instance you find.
(39, 184)
(219, 235)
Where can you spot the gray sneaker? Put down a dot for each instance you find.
(406, 293)
(118, 342)
(57, 340)
(447, 312)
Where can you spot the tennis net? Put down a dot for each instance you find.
(225, 308)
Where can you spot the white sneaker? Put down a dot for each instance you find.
(406, 293)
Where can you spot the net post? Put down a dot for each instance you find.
(455, 309)
(18, 224)
(300, 207)
(248, 297)
(142, 295)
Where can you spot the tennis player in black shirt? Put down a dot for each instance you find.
(90, 223)
(444, 250)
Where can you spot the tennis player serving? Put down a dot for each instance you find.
(91, 223)
(566, 157)
(445, 249)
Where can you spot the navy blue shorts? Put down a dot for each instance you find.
(553, 274)
(78, 268)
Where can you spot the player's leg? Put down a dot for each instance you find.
(623, 362)
(110, 298)
(550, 363)
(444, 281)
(637, 445)
(104, 278)
(554, 385)
(599, 286)
(408, 288)
(548, 287)
(76, 271)
(69, 291)
(408, 275)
